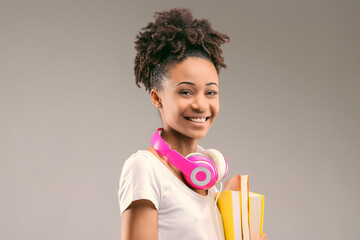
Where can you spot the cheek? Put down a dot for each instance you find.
(216, 107)
(177, 105)
(171, 111)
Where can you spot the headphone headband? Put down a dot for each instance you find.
(159, 144)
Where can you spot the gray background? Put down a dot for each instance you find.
(70, 113)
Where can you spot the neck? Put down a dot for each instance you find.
(182, 144)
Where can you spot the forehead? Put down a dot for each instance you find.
(197, 70)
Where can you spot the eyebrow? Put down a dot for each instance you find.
(211, 83)
(191, 83)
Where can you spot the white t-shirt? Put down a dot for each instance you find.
(183, 213)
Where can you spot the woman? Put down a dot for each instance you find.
(178, 61)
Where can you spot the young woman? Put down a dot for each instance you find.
(178, 61)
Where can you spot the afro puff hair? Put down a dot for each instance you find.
(174, 36)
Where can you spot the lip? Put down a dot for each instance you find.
(206, 119)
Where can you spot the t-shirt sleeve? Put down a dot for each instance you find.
(139, 180)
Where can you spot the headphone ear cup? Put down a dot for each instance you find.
(219, 160)
(194, 154)
(206, 167)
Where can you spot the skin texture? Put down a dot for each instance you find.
(140, 221)
(191, 91)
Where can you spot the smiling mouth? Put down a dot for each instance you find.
(197, 119)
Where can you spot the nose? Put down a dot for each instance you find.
(199, 103)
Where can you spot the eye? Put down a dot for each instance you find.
(185, 92)
(211, 93)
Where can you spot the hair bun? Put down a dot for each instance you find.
(173, 33)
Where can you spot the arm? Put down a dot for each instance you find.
(139, 221)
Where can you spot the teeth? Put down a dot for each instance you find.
(200, 120)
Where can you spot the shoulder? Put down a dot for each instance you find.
(140, 180)
(140, 158)
(141, 165)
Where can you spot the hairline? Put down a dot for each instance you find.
(170, 65)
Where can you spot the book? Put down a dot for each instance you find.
(256, 214)
(242, 211)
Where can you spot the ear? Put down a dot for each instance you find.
(155, 97)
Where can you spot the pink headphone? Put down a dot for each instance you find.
(201, 170)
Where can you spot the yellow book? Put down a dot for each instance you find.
(242, 220)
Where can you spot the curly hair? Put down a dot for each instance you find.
(173, 37)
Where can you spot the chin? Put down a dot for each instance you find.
(196, 134)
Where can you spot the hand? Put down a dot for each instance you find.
(263, 237)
